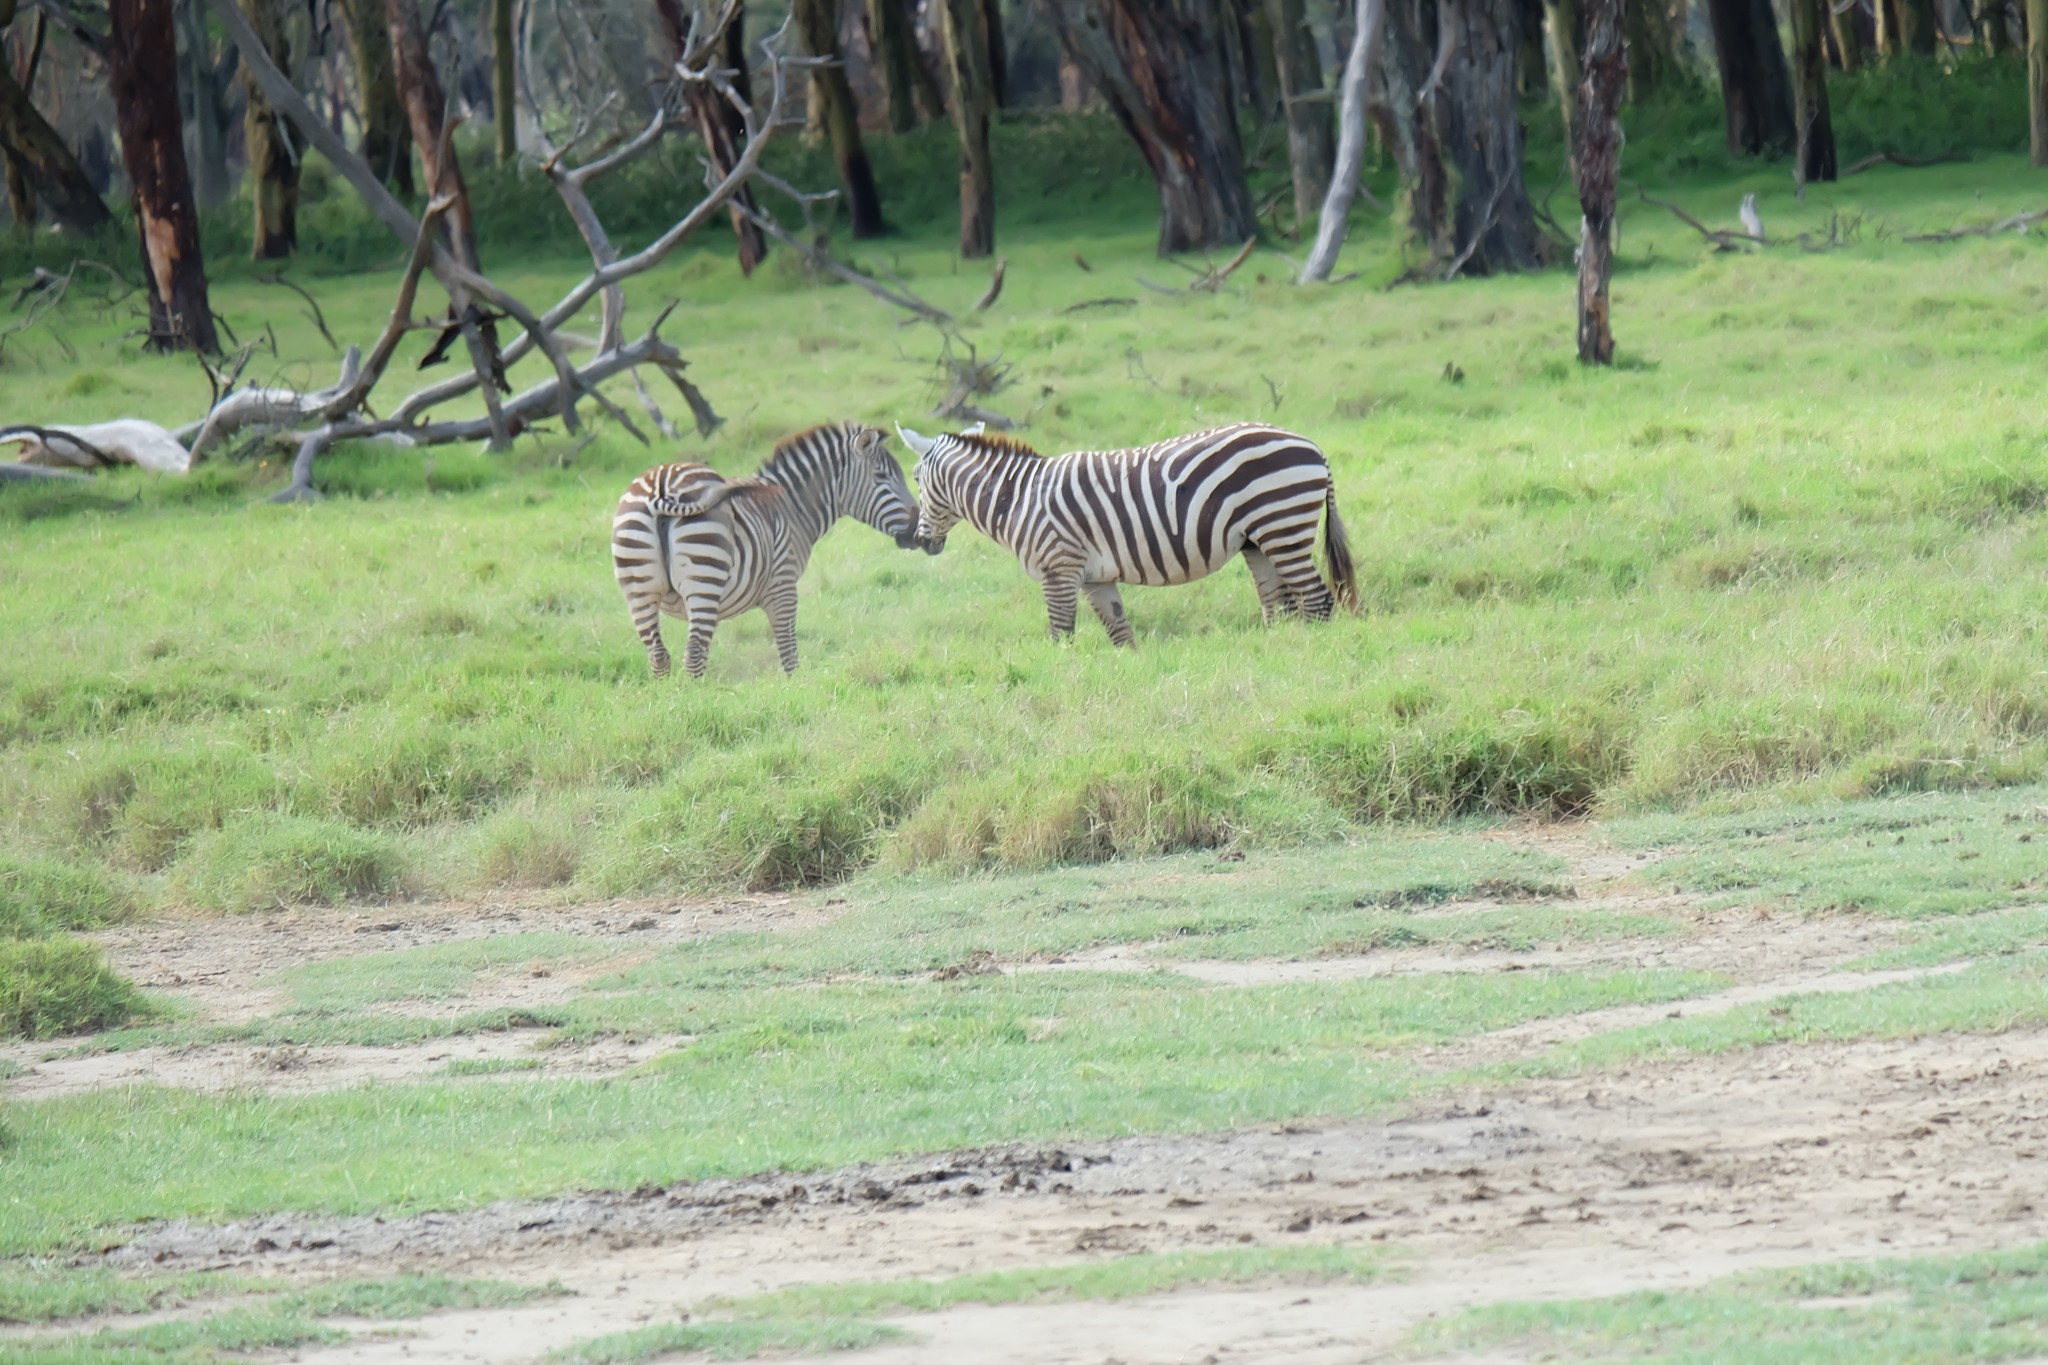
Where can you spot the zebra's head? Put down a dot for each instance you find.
(876, 492)
(937, 513)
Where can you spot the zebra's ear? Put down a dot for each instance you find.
(922, 445)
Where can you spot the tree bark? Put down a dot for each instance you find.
(1848, 41)
(998, 52)
(1261, 62)
(1160, 67)
(1358, 65)
(720, 125)
(1561, 38)
(209, 160)
(1810, 89)
(34, 150)
(385, 144)
(1311, 143)
(1991, 22)
(21, 191)
(1596, 160)
(2037, 79)
(426, 110)
(504, 82)
(1891, 28)
(1652, 40)
(896, 56)
(817, 24)
(142, 68)
(1756, 85)
(1449, 67)
(273, 161)
(968, 57)
(1917, 18)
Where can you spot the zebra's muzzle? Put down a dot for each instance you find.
(910, 540)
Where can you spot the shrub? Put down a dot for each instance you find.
(41, 896)
(274, 861)
(54, 986)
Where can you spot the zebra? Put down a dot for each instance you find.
(1166, 513)
(687, 542)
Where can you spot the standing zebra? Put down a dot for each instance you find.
(1169, 513)
(690, 543)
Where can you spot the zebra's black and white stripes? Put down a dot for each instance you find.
(697, 546)
(1167, 513)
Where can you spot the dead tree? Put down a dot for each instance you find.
(720, 122)
(273, 161)
(1304, 104)
(1596, 163)
(142, 67)
(342, 413)
(385, 144)
(1449, 67)
(38, 156)
(817, 24)
(1756, 87)
(969, 55)
(1810, 92)
(1358, 66)
(426, 110)
(1160, 67)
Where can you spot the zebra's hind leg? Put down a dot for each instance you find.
(1273, 596)
(1295, 563)
(781, 609)
(1109, 605)
(703, 617)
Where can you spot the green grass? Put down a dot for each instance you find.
(437, 971)
(1928, 1311)
(55, 986)
(820, 1317)
(260, 1318)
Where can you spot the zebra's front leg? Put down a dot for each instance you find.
(1062, 591)
(1109, 606)
(781, 609)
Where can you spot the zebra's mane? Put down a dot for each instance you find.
(787, 459)
(997, 444)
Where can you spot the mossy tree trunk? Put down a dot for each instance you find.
(968, 61)
(1561, 41)
(1848, 38)
(896, 57)
(142, 68)
(1160, 67)
(273, 166)
(385, 144)
(1311, 119)
(1756, 84)
(1651, 34)
(1810, 91)
(817, 24)
(426, 110)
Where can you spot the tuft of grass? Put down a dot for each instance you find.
(744, 1340)
(268, 862)
(31, 1293)
(1923, 1311)
(40, 896)
(55, 986)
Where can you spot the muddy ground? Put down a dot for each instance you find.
(1654, 1176)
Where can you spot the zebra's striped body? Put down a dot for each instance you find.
(1167, 513)
(694, 545)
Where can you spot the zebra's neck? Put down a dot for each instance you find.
(989, 484)
(812, 503)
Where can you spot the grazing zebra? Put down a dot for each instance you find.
(1169, 513)
(690, 543)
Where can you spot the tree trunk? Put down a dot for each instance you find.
(1532, 60)
(1310, 138)
(36, 153)
(386, 146)
(1756, 85)
(998, 52)
(1596, 160)
(504, 81)
(896, 56)
(142, 69)
(1991, 23)
(817, 24)
(968, 58)
(273, 165)
(1450, 76)
(21, 191)
(1358, 65)
(1848, 42)
(1261, 62)
(1561, 38)
(1891, 28)
(426, 109)
(1921, 34)
(1652, 41)
(209, 157)
(1159, 65)
(2037, 79)
(1810, 88)
(720, 125)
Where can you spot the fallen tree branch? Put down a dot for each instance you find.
(2019, 222)
(824, 260)
(28, 473)
(995, 288)
(1721, 241)
(1891, 158)
(1100, 303)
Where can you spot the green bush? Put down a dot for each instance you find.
(40, 896)
(51, 987)
(272, 861)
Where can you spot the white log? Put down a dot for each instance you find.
(128, 440)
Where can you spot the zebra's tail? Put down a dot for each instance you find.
(1337, 554)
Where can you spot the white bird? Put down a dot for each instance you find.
(1751, 223)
